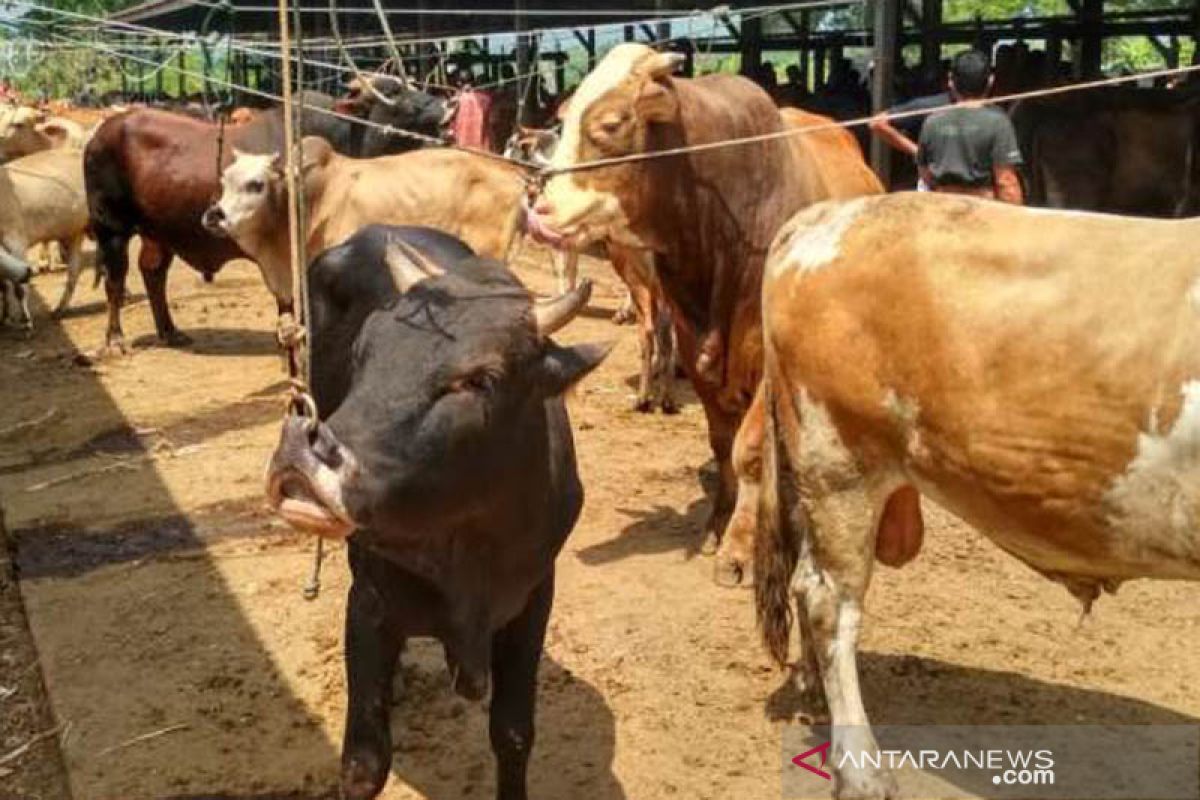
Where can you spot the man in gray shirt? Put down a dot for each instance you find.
(971, 148)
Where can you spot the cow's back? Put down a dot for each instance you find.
(50, 189)
(828, 158)
(154, 172)
(1036, 372)
(476, 199)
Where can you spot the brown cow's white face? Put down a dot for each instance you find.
(607, 117)
(248, 187)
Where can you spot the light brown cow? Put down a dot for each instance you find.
(25, 130)
(1037, 373)
(477, 200)
(708, 217)
(52, 203)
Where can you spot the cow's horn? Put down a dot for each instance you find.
(551, 315)
(407, 265)
(660, 65)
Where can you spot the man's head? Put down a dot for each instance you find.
(970, 75)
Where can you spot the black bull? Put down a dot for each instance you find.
(444, 453)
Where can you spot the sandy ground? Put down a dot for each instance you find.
(165, 604)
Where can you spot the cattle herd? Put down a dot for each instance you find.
(1034, 371)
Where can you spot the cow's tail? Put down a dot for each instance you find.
(776, 547)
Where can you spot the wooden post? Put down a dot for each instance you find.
(158, 79)
(182, 73)
(591, 48)
(931, 34)
(805, 29)
(818, 68)
(295, 235)
(752, 30)
(1091, 43)
(887, 35)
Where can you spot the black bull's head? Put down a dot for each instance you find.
(432, 376)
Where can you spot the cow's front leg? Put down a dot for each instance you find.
(372, 649)
(830, 584)
(154, 261)
(516, 651)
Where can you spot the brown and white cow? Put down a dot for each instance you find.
(1015, 365)
(708, 217)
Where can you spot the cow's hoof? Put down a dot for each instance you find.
(669, 406)
(364, 775)
(624, 316)
(863, 784)
(176, 339)
(711, 543)
(732, 573)
(114, 347)
(643, 405)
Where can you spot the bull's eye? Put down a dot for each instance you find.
(480, 382)
(611, 124)
(255, 187)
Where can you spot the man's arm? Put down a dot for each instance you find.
(1006, 157)
(1008, 184)
(882, 127)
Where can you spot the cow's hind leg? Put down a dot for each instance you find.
(154, 262)
(516, 651)
(372, 650)
(74, 250)
(734, 562)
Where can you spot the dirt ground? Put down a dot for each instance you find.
(181, 660)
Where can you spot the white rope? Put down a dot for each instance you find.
(384, 128)
(599, 163)
(638, 157)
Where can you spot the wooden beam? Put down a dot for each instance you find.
(796, 25)
(650, 34)
(887, 40)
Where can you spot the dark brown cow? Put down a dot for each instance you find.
(1121, 150)
(708, 217)
(153, 173)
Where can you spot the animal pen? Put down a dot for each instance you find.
(154, 639)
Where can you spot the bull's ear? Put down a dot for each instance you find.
(655, 102)
(563, 367)
(54, 132)
(315, 152)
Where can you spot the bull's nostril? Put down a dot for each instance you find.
(326, 447)
(543, 207)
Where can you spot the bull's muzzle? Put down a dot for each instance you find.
(214, 220)
(307, 477)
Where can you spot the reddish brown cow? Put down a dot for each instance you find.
(709, 218)
(154, 173)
